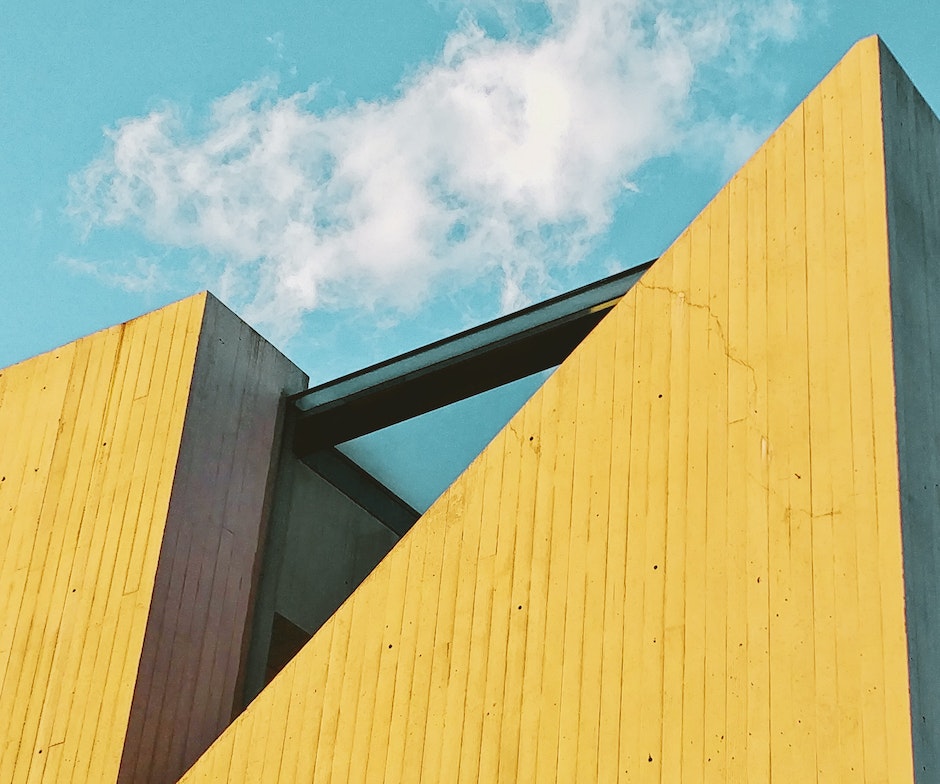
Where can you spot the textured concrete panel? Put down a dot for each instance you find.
(682, 559)
(89, 439)
(188, 684)
(912, 153)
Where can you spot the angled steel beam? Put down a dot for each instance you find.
(458, 367)
(360, 486)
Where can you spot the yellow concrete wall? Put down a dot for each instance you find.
(89, 436)
(681, 561)
(134, 473)
(189, 677)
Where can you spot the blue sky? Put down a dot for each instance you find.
(360, 178)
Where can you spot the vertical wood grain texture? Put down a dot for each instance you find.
(681, 561)
(89, 435)
(912, 152)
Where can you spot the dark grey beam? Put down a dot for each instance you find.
(364, 489)
(458, 367)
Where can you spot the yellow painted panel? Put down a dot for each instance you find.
(133, 471)
(681, 561)
(78, 425)
(187, 676)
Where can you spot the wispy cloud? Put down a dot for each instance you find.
(502, 158)
(137, 274)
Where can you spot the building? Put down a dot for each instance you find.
(706, 549)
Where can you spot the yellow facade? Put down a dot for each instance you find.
(90, 435)
(133, 478)
(705, 550)
(682, 559)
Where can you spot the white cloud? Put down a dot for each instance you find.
(138, 274)
(503, 158)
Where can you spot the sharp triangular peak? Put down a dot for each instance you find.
(912, 171)
(123, 484)
(708, 547)
(684, 553)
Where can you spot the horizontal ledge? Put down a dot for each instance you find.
(468, 363)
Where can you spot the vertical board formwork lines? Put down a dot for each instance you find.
(37, 417)
(180, 603)
(202, 559)
(254, 764)
(413, 734)
(597, 679)
(634, 735)
(624, 318)
(313, 716)
(780, 359)
(244, 535)
(797, 478)
(618, 459)
(98, 450)
(138, 504)
(716, 504)
(24, 471)
(444, 739)
(842, 514)
(376, 650)
(97, 551)
(550, 720)
(537, 616)
(444, 615)
(272, 758)
(117, 610)
(574, 600)
(827, 738)
(203, 556)
(107, 385)
(722, 622)
(589, 480)
(803, 684)
(302, 686)
(677, 399)
(144, 482)
(87, 361)
(860, 267)
(696, 300)
(232, 547)
(83, 549)
(422, 562)
(505, 510)
(475, 708)
(472, 485)
(521, 600)
(41, 584)
(329, 718)
(25, 517)
(78, 619)
(661, 300)
(114, 605)
(757, 455)
(741, 386)
(246, 740)
(655, 391)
